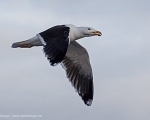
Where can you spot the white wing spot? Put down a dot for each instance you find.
(42, 40)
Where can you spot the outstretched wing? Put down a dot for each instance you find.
(56, 41)
(79, 71)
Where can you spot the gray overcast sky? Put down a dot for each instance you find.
(120, 60)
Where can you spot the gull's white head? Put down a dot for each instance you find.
(80, 32)
(89, 31)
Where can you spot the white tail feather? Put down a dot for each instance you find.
(35, 41)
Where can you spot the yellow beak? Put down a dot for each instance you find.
(98, 33)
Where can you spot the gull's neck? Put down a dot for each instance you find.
(75, 33)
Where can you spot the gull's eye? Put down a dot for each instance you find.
(89, 28)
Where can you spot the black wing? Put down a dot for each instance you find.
(57, 40)
(79, 71)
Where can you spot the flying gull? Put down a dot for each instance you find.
(59, 46)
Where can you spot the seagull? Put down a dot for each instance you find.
(60, 46)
